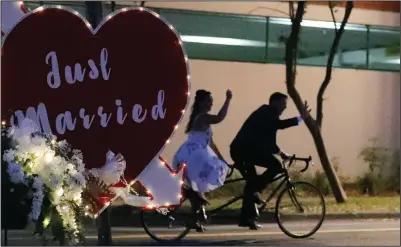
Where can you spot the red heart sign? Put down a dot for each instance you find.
(121, 87)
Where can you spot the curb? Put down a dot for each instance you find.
(131, 218)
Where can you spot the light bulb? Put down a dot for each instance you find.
(156, 14)
(88, 24)
(76, 13)
(95, 216)
(59, 7)
(188, 78)
(180, 42)
(53, 142)
(176, 127)
(124, 9)
(168, 141)
(183, 111)
(49, 157)
(167, 204)
(46, 222)
(148, 192)
(186, 59)
(86, 213)
(108, 17)
(181, 182)
(171, 27)
(107, 204)
(59, 192)
(173, 173)
(40, 9)
(86, 207)
(3, 122)
(132, 182)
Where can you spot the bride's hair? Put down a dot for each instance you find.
(200, 96)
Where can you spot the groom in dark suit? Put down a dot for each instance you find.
(255, 144)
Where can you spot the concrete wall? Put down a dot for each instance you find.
(359, 105)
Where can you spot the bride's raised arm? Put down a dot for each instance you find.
(208, 119)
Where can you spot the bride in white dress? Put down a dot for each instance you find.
(205, 168)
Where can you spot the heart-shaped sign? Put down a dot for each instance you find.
(121, 87)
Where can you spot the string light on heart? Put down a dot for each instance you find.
(122, 87)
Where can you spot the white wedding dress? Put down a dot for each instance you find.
(204, 170)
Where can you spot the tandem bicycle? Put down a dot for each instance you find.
(173, 224)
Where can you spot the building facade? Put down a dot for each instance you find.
(240, 46)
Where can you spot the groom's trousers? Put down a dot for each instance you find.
(245, 160)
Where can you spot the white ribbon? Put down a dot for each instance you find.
(113, 170)
(112, 173)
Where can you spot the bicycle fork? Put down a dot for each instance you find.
(293, 198)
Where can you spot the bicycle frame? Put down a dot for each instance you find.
(285, 180)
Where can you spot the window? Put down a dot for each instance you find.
(279, 31)
(242, 38)
(384, 49)
(77, 6)
(316, 38)
(220, 37)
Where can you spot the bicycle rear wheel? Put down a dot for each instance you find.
(168, 227)
(292, 208)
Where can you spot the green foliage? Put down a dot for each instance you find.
(383, 174)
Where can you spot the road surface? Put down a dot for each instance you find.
(384, 232)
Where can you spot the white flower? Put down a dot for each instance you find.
(80, 178)
(77, 154)
(62, 144)
(37, 199)
(16, 173)
(9, 155)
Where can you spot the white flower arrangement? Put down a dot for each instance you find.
(50, 169)
(58, 182)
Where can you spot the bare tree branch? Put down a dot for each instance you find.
(272, 9)
(331, 7)
(291, 10)
(329, 67)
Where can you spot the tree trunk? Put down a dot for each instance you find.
(314, 127)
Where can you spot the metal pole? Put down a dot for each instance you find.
(94, 15)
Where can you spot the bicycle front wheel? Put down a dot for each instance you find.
(300, 210)
(166, 225)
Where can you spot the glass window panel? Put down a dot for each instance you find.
(279, 31)
(77, 6)
(384, 49)
(316, 38)
(220, 37)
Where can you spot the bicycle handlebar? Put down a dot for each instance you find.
(306, 160)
